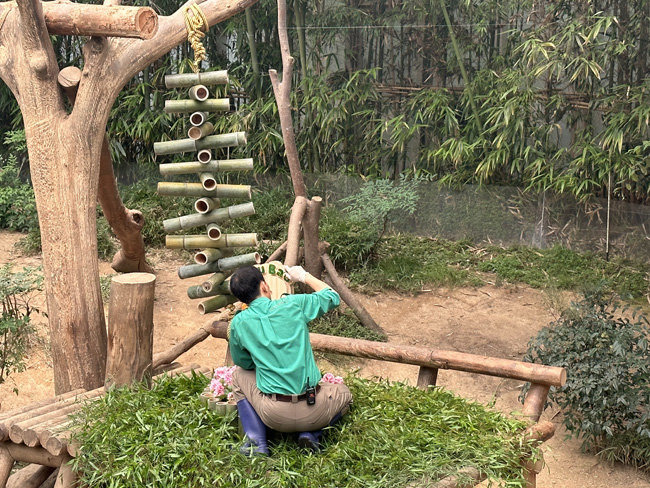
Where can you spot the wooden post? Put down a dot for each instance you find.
(6, 465)
(427, 377)
(31, 476)
(310, 223)
(130, 328)
(535, 401)
(67, 478)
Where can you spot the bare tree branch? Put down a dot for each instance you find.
(8, 15)
(35, 38)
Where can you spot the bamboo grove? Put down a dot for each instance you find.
(542, 95)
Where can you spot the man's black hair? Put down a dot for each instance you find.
(245, 283)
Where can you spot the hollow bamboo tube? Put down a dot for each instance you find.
(186, 80)
(200, 242)
(224, 264)
(204, 156)
(199, 93)
(233, 139)
(200, 131)
(209, 255)
(198, 118)
(214, 232)
(213, 282)
(189, 106)
(208, 181)
(197, 291)
(215, 303)
(176, 189)
(213, 217)
(206, 204)
(171, 147)
(191, 167)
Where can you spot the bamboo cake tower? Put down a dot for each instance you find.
(217, 255)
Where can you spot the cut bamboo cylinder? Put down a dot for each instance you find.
(200, 242)
(197, 291)
(176, 189)
(214, 232)
(213, 282)
(206, 204)
(208, 181)
(210, 255)
(200, 131)
(215, 303)
(192, 270)
(199, 93)
(198, 118)
(213, 217)
(186, 80)
(224, 264)
(204, 156)
(189, 106)
(192, 167)
(232, 139)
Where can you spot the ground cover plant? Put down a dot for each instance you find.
(394, 434)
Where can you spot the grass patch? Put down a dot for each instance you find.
(393, 435)
(344, 323)
(406, 263)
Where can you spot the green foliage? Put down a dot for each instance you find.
(15, 328)
(393, 435)
(352, 239)
(17, 205)
(344, 323)
(606, 399)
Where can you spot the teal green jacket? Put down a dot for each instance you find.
(271, 337)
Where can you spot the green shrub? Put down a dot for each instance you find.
(344, 323)
(17, 204)
(606, 399)
(352, 239)
(15, 326)
(392, 436)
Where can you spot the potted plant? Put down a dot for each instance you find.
(219, 393)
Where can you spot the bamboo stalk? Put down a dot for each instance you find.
(204, 156)
(189, 106)
(206, 204)
(215, 303)
(200, 241)
(215, 216)
(172, 147)
(186, 80)
(200, 131)
(197, 291)
(224, 264)
(234, 262)
(199, 93)
(176, 189)
(213, 231)
(210, 255)
(232, 139)
(213, 282)
(208, 181)
(198, 118)
(192, 167)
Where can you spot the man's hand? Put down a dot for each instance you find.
(296, 273)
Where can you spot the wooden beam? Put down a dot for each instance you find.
(33, 455)
(535, 401)
(32, 476)
(6, 465)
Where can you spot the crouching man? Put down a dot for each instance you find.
(277, 383)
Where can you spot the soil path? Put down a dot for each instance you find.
(494, 321)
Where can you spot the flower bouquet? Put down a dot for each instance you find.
(218, 394)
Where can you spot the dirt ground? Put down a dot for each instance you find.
(494, 321)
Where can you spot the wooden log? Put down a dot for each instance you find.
(215, 216)
(57, 445)
(310, 226)
(6, 465)
(75, 19)
(17, 429)
(277, 254)
(193, 167)
(206, 204)
(213, 282)
(31, 476)
(348, 297)
(46, 431)
(427, 377)
(199, 242)
(130, 329)
(33, 455)
(433, 358)
(49, 483)
(208, 78)
(199, 93)
(200, 131)
(42, 403)
(535, 401)
(541, 431)
(66, 478)
(198, 118)
(208, 181)
(163, 368)
(214, 232)
(189, 106)
(223, 264)
(215, 303)
(294, 232)
(175, 189)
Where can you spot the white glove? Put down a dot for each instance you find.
(296, 273)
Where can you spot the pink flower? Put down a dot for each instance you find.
(337, 380)
(328, 378)
(231, 396)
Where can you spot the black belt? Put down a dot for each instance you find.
(289, 398)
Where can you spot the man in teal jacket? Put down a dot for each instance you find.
(277, 383)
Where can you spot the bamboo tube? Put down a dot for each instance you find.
(171, 147)
(200, 131)
(213, 282)
(198, 118)
(232, 139)
(188, 106)
(175, 189)
(197, 291)
(210, 255)
(204, 156)
(206, 204)
(215, 303)
(214, 232)
(192, 270)
(214, 217)
(191, 167)
(199, 93)
(186, 80)
(224, 264)
(200, 241)
(208, 181)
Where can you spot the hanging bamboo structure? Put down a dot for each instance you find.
(216, 141)
(215, 216)
(175, 189)
(208, 181)
(191, 167)
(224, 264)
(213, 281)
(206, 204)
(197, 291)
(189, 106)
(204, 156)
(198, 93)
(203, 241)
(186, 80)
